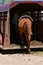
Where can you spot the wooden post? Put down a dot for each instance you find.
(7, 32)
(2, 26)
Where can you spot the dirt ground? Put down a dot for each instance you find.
(35, 58)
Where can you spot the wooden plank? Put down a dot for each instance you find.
(18, 47)
(7, 32)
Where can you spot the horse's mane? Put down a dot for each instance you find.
(26, 16)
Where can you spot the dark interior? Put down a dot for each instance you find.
(22, 9)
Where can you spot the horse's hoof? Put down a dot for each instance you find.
(22, 47)
(28, 52)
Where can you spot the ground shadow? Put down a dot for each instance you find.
(20, 51)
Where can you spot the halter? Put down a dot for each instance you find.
(25, 16)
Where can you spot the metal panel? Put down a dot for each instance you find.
(13, 4)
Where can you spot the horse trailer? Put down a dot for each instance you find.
(9, 15)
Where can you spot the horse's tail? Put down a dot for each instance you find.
(26, 29)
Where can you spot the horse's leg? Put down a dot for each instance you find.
(22, 40)
(28, 44)
(21, 37)
(28, 37)
(21, 33)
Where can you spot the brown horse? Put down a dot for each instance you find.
(25, 26)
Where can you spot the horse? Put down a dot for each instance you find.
(25, 26)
